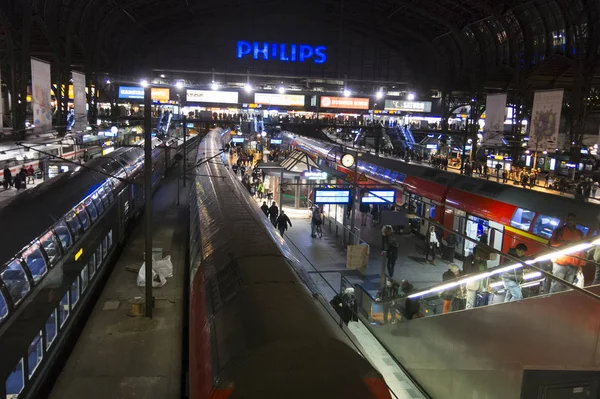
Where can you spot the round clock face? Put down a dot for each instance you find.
(347, 160)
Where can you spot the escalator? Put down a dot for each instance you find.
(530, 348)
(408, 137)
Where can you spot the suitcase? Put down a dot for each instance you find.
(482, 299)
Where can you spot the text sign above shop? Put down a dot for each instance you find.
(344, 102)
(237, 139)
(379, 197)
(281, 52)
(311, 175)
(332, 196)
(131, 92)
(276, 141)
(212, 96)
(408, 106)
(279, 99)
(160, 94)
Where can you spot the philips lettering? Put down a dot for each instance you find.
(281, 52)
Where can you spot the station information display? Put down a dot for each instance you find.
(379, 197)
(332, 196)
(237, 139)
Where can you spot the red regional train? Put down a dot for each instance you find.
(468, 205)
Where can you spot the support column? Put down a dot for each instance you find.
(148, 197)
(297, 193)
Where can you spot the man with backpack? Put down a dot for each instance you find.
(316, 220)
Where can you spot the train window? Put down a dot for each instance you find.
(51, 247)
(74, 225)
(108, 190)
(98, 257)
(92, 265)
(35, 354)
(583, 229)
(62, 231)
(35, 262)
(15, 281)
(83, 216)
(3, 307)
(15, 382)
(63, 309)
(75, 292)
(91, 208)
(110, 240)
(51, 329)
(104, 198)
(104, 247)
(522, 219)
(84, 278)
(98, 203)
(545, 225)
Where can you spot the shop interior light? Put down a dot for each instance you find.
(144, 83)
(248, 88)
(410, 96)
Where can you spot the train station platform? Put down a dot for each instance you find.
(13, 192)
(120, 356)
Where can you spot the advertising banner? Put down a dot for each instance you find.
(40, 82)
(344, 102)
(495, 113)
(131, 92)
(545, 119)
(408, 106)
(279, 99)
(212, 96)
(80, 100)
(162, 95)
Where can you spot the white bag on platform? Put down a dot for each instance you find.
(579, 280)
(164, 267)
(157, 279)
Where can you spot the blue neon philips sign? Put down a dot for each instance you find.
(282, 52)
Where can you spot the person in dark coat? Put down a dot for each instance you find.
(412, 307)
(345, 305)
(19, 182)
(8, 178)
(273, 213)
(392, 255)
(449, 294)
(282, 222)
(265, 208)
(386, 296)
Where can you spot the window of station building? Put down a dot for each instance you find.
(98, 203)
(51, 247)
(74, 225)
(35, 262)
(62, 231)
(15, 382)
(35, 354)
(51, 329)
(91, 208)
(75, 292)
(63, 309)
(83, 216)
(16, 281)
(522, 219)
(3, 307)
(545, 225)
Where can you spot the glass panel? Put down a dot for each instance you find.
(91, 208)
(75, 292)
(98, 257)
(3, 307)
(84, 278)
(522, 219)
(51, 329)
(92, 265)
(98, 204)
(104, 247)
(16, 281)
(104, 198)
(62, 231)
(15, 382)
(63, 309)
(545, 225)
(83, 216)
(51, 247)
(74, 225)
(35, 353)
(108, 190)
(35, 262)
(110, 241)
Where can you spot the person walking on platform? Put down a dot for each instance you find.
(364, 211)
(282, 222)
(566, 267)
(273, 213)
(265, 208)
(392, 256)
(513, 278)
(431, 245)
(316, 220)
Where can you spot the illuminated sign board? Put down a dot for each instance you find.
(432, 146)
(160, 94)
(131, 93)
(212, 96)
(281, 52)
(276, 141)
(279, 99)
(379, 197)
(312, 175)
(408, 106)
(332, 196)
(344, 102)
(238, 139)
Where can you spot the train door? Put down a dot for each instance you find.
(428, 212)
(458, 225)
(478, 230)
(496, 237)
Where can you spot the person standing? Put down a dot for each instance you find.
(566, 266)
(273, 213)
(498, 167)
(387, 295)
(431, 245)
(392, 256)
(316, 220)
(265, 208)
(513, 278)
(364, 211)
(8, 180)
(475, 263)
(449, 294)
(282, 222)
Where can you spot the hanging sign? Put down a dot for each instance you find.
(344, 102)
(313, 175)
(408, 106)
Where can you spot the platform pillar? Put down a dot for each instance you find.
(297, 193)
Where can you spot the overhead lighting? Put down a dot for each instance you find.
(248, 87)
(347, 93)
(179, 85)
(162, 75)
(144, 83)
(379, 94)
(107, 81)
(214, 86)
(410, 96)
(281, 90)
